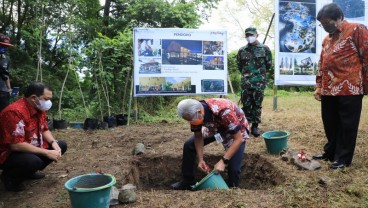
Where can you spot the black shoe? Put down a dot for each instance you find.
(321, 157)
(11, 185)
(255, 132)
(36, 176)
(182, 185)
(338, 165)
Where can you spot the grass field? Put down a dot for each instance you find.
(300, 114)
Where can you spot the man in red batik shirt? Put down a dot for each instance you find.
(341, 82)
(26, 144)
(213, 119)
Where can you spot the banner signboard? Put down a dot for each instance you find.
(176, 61)
(298, 37)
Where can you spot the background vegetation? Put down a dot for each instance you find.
(84, 50)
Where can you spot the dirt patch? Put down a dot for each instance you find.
(259, 173)
(110, 151)
(159, 172)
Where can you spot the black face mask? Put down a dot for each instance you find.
(331, 28)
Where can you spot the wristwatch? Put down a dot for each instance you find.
(52, 142)
(226, 161)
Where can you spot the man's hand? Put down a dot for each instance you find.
(53, 155)
(317, 94)
(203, 166)
(56, 147)
(220, 166)
(51, 140)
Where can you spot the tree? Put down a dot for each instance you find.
(52, 37)
(237, 15)
(154, 13)
(115, 47)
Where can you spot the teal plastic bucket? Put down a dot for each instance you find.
(276, 141)
(211, 181)
(90, 190)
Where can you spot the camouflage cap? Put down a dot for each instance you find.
(251, 30)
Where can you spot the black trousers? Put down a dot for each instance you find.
(188, 167)
(341, 116)
(20, 165)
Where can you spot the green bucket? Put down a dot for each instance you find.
(276, 141)
(211, 181)
(90, 190)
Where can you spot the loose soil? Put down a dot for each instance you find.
(267, 181)
(111, 151)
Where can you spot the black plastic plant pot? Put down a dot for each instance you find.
(50, 124)
(60, 124)
(110, 120)
(90, 124)
(103, 125)
(121, 119)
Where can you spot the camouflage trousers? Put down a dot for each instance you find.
(252, 104)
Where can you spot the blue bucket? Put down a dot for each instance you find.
(211, 181)
(276, 141)
(90, 190)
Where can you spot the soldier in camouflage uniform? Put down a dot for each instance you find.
(253, 61)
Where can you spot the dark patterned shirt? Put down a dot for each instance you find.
(21, 122)
(224, 117)
(4, 72)
(343, 58)
(253, 63)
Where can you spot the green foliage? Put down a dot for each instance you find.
(281, 92)
(157, 13)
(56, 38)
(233, 71)
(153, 13)
(156, 109)
(307, 89)
(106, 57)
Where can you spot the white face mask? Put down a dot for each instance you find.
(251, 39)
(44, 105)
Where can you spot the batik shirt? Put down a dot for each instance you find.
(21, 122)
(224, 117)
(343, 58)
(253, 62)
